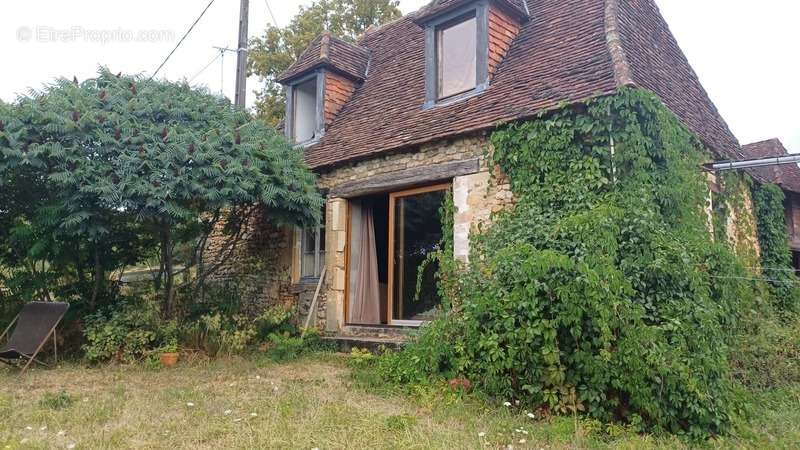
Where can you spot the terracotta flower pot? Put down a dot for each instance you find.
(169, 359)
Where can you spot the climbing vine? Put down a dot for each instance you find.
(776, 257)
(733, 217)
(603, 291)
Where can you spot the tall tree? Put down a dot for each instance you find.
(162, 157)
(277, 48)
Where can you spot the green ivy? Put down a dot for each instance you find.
(602, 291)
(776, 256)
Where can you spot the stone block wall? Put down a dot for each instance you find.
(476, 196)
(258, 265)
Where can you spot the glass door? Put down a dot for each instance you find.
(415, 221)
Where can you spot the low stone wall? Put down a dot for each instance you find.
(258, 266)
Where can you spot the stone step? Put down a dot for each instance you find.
(377, 332)
(346, 344)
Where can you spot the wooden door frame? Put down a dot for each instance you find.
(393, 196)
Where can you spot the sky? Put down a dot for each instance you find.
(747, 54)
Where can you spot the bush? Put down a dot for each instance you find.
(284, 347)
(125, 332)
(216, 333)
(277, 319)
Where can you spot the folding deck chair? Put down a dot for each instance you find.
(35, 324)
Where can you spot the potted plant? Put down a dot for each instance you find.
(169, 354)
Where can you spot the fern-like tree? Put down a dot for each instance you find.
(163, 159)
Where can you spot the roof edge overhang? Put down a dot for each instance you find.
(322, 64)
(426, 17)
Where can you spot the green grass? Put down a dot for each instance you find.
(305, 404)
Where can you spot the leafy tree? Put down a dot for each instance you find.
(121, 159)
(278, 48)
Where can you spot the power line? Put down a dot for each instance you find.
(206, 67)
(274, 22)
(182, 39)
(769, 280)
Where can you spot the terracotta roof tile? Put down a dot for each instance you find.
(656, 62)
(329, 51)
(786, 175)
(436, 7)
(567, 51)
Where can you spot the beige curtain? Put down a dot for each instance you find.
(365, 298)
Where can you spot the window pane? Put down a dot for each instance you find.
(310, 265)
(457, 52)
(307, 265)
(322, 239)
(308, 240)
(321, 263)
(305, 110)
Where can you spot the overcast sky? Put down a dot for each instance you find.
(747, 54)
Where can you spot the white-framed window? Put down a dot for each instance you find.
(456, 56)
(312, 250)
(304, 111)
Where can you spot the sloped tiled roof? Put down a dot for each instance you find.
(656, 62)
(568, 51)
(329, 51)
(437, 7)
(787, 176)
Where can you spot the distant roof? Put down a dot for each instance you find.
(331, 52)
(567, 51)
(787, 176)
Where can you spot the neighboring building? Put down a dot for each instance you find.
(786, 176)
(396, 121)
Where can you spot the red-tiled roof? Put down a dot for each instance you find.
(332, 52)
(656, 62)
(437, 7)
(786, 175)
(567, 51)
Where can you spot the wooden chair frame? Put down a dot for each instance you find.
(32, 358)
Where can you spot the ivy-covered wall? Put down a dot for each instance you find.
(603, 290)
(733, 217)
(776, 255)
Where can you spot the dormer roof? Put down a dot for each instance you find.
(518, 8)
(566, 52)
(330, 52)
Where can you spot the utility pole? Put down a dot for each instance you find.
(241, 55)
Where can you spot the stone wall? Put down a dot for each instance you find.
(257, 266)
(476, 196)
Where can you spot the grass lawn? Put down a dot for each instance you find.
(305, 404)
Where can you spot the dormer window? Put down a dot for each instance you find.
(304, 110)
(305, 121)
(465, 41)
(456, 56)
(456, 51)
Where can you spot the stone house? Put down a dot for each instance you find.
(788, 178)
(400, 119)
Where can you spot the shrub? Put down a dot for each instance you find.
(284, 347)
(215, 333)
(276, 319)
(126, 332)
